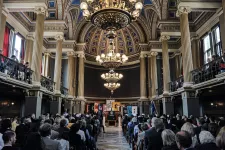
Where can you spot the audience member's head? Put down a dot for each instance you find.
(45, 130)
(9, 137)
(48, 121)
(206, 137)
(189, 128)
(213, 128)
(64, 123)
(204, 127)
(153, 121)
(158, 124)
(6, 125)
(144, 126)
(168, 137)
(220, 139)
(183, 140)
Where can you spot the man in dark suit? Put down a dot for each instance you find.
(148, 132)
(21, 132)
(184, 141)
(45, 131)
(155, 140)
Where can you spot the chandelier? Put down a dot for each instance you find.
(111, 60)
(112, 86)
(111, 77)
(111, 14)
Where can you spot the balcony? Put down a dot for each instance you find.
(47, 83)
(208, 71)
(15, 70)
(178, 83)
(64, 91)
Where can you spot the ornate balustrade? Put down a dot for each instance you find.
(208, 71)
(64, 90)
(178, 83)
(47, 83)
(15, 69)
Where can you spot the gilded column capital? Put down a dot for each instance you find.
(30, 37)
(47, 53)
(164, 38)
(154, 53)
(80, 46)
(59, 37)
(70, 54)
(41, 10)
(183, 10)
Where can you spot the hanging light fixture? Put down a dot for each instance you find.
(112, 86)
(111, 60)
(111, 77)
(111, 14)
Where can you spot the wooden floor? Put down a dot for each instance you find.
(113, 139)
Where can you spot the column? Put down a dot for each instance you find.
(195, 52)
(55, 105)
(38, 45)
(3, 24)
(71, 72)
(46, 70)
(186, 44)
(166, 64)
(143, 95)
(154, 74)
(70, 78)
(33, 103)
(190, 104)
(29, 49)
(168, 106)
(177, 65)
(58, 63)
(80, 94)
(149, 77)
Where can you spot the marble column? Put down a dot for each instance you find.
(143, 93)
(58, 63)
(71, 72)
(177, 65)
(186, 45)
(2, 25)
(46, 70)
(149, 77)
(166, 64)
(29, 49)
(38, 45)
(70, 79)
(195, 52)
(154, 74)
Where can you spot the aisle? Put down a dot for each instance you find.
(113, 139)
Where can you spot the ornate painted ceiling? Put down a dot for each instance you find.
(146, 29)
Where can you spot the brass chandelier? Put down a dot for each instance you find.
(111, 60)
(112, 77)
(111, 15)
(112, 86)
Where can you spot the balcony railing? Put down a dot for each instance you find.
(178, 83)
(47, 83)
(64, 90)
(15, 69)
(208, 71)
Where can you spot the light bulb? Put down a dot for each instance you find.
(138, 5)
(86, 13)
(123, 56)
(83, 6)
(118, 55)
(98, 57)
(110, 54)
(133, 1)
(103, 55)
(136, 13)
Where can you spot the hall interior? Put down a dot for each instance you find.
(175, 51)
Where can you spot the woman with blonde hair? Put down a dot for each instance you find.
(220, 139)
(188, 127)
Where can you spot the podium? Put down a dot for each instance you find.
(112, 118)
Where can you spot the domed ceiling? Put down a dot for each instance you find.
(127, 41)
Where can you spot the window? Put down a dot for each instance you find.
(51, 4)
(212, 45)
(51, 14)
(17, 47)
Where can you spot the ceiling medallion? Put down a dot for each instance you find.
(111, 14)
